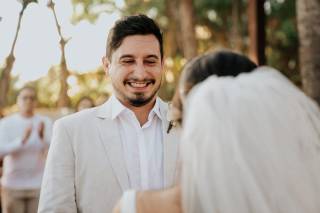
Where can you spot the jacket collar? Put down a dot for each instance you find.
(108, 109)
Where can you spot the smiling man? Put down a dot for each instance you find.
(99, 153)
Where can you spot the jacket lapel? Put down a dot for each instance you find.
(110, 137)
(170, 148)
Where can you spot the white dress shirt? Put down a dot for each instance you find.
(142, 146)
(23, 165)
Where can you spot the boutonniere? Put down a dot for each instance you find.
(174, 117)
(172, 124)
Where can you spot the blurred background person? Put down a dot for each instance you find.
(24, 140)
(84, 103)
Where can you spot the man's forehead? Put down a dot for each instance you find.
(138, 45)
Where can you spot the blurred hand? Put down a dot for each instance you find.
(26, 134)
(116, 209)
(41, 131)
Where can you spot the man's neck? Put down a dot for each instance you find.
(142, 112)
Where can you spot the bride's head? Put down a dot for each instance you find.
(250, 143)
(221, 63)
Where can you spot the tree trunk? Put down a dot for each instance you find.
(63, 99)
(236, 37)
(5, 74)
(171, 41)
(256, 19)
(308, 17)
(188, 29)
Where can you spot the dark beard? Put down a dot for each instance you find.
(140, 100)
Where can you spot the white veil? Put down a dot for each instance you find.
(250, 144)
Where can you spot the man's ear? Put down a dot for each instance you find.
(106, 65)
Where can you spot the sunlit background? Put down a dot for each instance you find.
(215, 24)
(38, 42)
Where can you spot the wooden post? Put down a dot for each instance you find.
(256, 20)
(188, 34)
(308, 18)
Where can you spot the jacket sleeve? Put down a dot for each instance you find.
(58, 186)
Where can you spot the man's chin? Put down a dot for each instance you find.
(140, 100)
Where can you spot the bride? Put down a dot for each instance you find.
(250, 143)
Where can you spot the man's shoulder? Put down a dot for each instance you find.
(9, 118)
(78, 117)
(163, 107)
(162, 102)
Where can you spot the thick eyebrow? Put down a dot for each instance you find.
(152, 57)
(126, 57)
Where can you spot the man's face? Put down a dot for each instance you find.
(26, 100)
(136, 70)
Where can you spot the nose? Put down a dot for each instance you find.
(140, 71)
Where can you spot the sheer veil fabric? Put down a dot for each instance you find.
(251, 144)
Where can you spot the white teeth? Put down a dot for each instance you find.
(138, 85)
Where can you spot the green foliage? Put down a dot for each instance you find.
(13, 92)
(215, 16)
(282, 38)
(91, 9)
(218, 5)
(48, 88)
(154, 8)
(173, 66)
(93, 84)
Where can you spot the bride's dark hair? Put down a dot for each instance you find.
(221, 63)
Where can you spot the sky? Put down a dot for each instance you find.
(37, 47)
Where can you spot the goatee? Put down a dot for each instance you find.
(140, 100)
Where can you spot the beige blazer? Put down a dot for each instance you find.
(85, 169)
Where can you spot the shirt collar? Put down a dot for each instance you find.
(156, 108)
(118, 108)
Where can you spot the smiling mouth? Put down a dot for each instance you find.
(139, 84)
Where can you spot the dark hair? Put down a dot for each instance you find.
(222, 63)
(132, 25)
